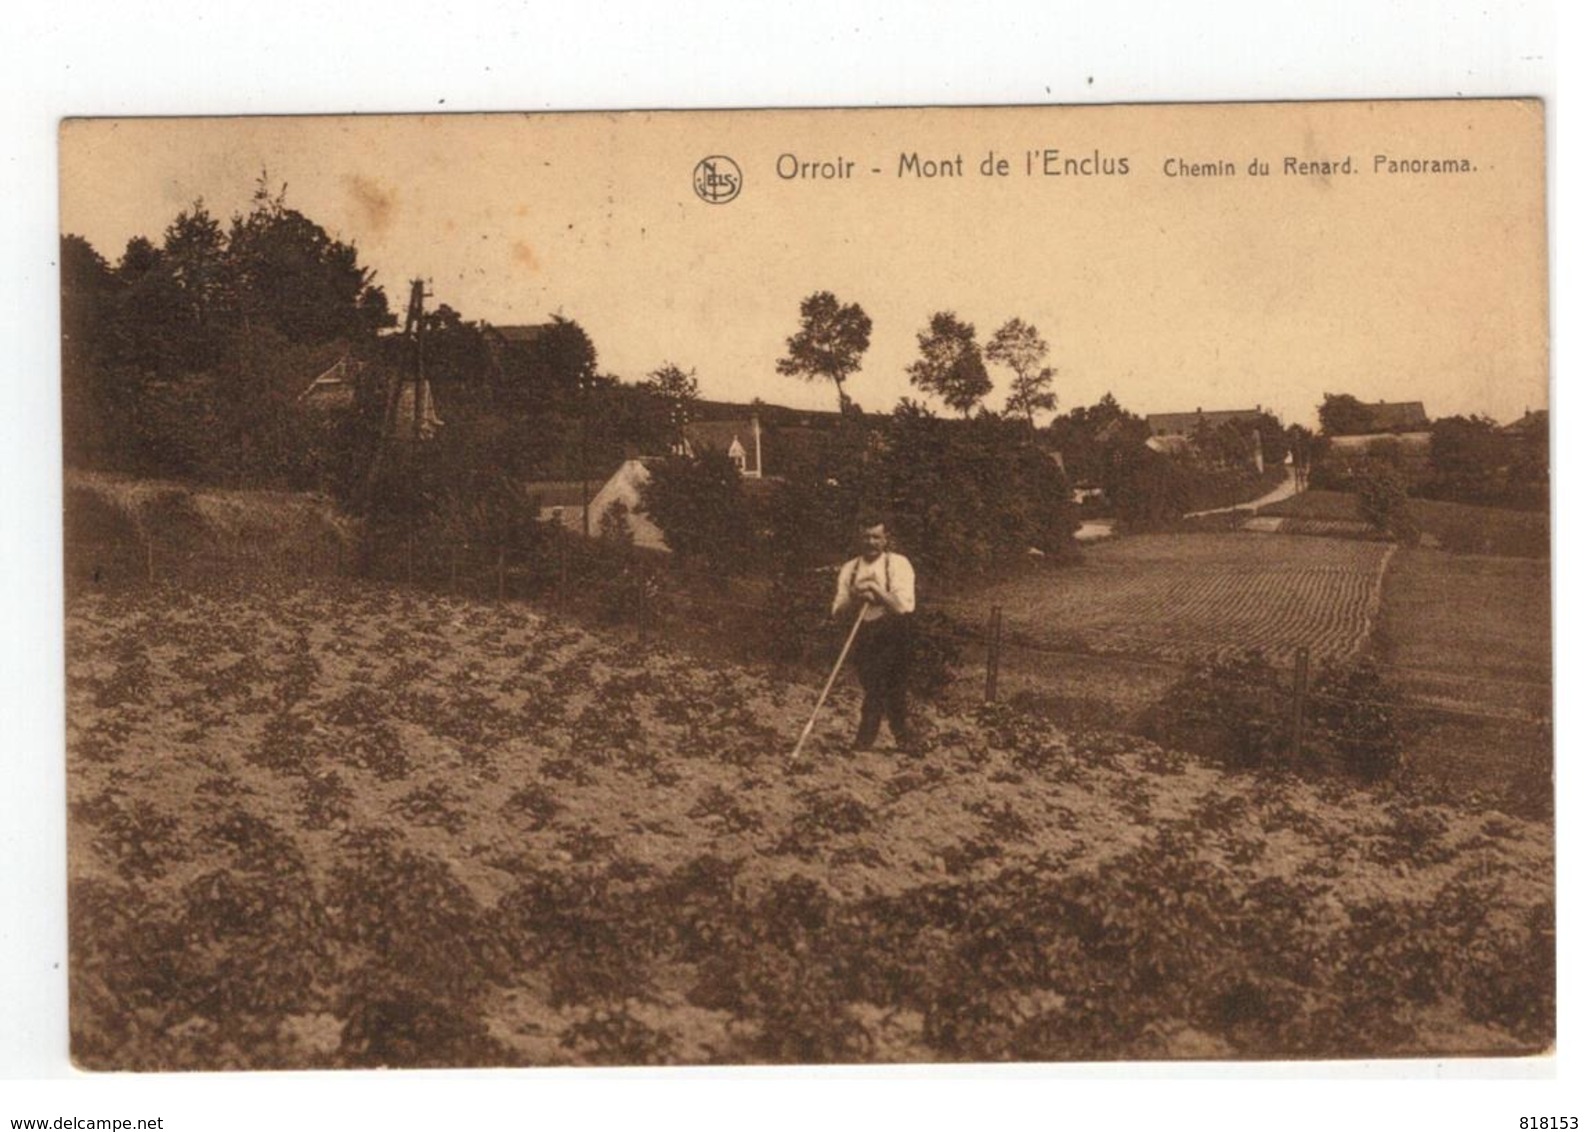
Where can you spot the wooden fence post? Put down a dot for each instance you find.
(1297, 732)
(994, 651)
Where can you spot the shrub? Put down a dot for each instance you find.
(1355, 713)
(1226, 707)
(700, 507)
(1385, 499)
(936, 655)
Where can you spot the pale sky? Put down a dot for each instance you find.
(1172, 292)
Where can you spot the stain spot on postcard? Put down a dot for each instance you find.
(524, 256)
(374, 203)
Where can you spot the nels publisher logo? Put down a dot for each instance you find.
(717, 180)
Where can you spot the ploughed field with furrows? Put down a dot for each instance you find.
(352, 825)
(1180, 597)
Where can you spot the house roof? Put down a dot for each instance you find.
(720, 435)
(336, 379)
(1185, 424)
(1391, 416)
(564, 493)
(1531, 419)
(520, 335)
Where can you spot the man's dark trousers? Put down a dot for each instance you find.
(882, 656)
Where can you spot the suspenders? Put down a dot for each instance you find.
(887, 571)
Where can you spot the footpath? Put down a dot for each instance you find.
(1094, 530)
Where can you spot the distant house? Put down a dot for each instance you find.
(740, 440)
(562, 502)
(1395, 429)
(1186, 424)
(1174, 444)
(1172, 433)
(510, 346)
(1367, 418)
(1531, 423)
(504, 338)
(426, 420)
(334, 388)
(1396, 416)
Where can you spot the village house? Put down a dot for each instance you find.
(334, 388)
(1186, 425)
(740, 440)
(1393, 426)
(1396, 417)
(1172, 433)
(562, 502)
(503, 339)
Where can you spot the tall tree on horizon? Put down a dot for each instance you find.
(671, 382)
(831, 339)
(1018, 346)
(950, 363)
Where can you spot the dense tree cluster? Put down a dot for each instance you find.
(1473, 460)
(183, 358)
(1341, 414)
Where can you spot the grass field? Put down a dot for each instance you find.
(351, 825)
(1177, 597)
(1456, 527)
(1471, 636)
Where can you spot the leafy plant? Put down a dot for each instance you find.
(1357, 714)
(1226, 707)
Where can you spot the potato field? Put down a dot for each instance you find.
(1181, 596)
(351, 825)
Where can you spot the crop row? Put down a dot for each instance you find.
(350, 825)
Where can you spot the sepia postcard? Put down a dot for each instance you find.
(1003, 584)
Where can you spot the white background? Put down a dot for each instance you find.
(284, 56)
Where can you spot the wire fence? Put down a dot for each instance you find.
(1488, 728)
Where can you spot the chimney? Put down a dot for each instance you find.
(754, 420)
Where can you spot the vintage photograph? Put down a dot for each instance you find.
(972, 585)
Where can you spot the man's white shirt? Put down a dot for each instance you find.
(891, 573)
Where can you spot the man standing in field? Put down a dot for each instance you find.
(882, 585)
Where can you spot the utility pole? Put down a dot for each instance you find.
(415, 327)
(584, 448)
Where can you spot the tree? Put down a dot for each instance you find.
(195, 255)
(1358, 715)
(455, 350)
(89, 402)
(1383, 499)
(290, 273)
(950, 363)
(672, 393)
(1095, 439)
(1018, 346)
(1301, 445)
(669, 382)
(832, 338)
(554, 368)
(700, 507)
(1469, 458)
(1340, 414)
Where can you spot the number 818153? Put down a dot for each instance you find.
(1549, 1124)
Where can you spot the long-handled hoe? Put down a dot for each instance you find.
(822, 699)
